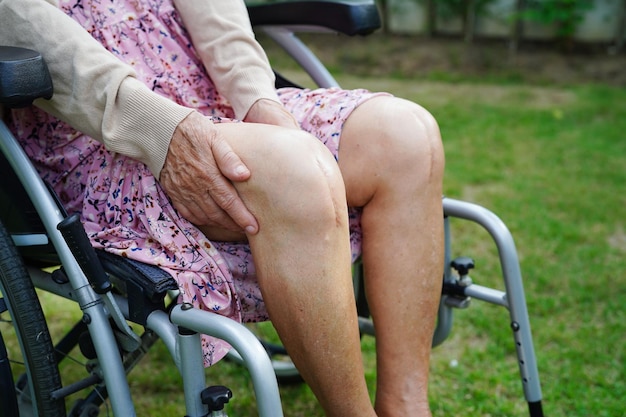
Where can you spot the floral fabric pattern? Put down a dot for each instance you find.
(122, 205)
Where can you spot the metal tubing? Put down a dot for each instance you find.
(90, 303)
(444, 322)
(445, 316)
(447, 253)
(192, 370)
(520, 323)
(366, 326)
(301, 53)
(108, 355)
(247, 345)
(487, 294)
(33, 239)
(42, 279)
(158, 321)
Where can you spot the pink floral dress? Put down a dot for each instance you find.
(123, 207)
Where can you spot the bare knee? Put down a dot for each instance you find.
(388, 140)
(416, 142)
(297, 184)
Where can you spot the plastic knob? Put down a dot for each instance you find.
(463, 265)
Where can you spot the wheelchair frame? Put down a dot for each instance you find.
(181, 328)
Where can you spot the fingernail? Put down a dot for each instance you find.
(250, 230)
(241, 170)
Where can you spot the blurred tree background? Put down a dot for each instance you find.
(563, 22)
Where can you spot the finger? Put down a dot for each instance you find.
(228, 162)
(224, 194)
(287, 120)
(192, 176)
(200, 209)
(271, 112)
(190, 212)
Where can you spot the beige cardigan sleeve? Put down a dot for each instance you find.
(93, 91)
(223, 37)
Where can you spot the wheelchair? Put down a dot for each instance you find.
(113, 293)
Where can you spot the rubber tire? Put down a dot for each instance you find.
(30, 328)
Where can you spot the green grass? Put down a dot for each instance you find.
(551, 162)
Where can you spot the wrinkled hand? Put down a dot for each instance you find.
(197, 176)
(272, 113)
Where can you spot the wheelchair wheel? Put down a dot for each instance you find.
(24, 332)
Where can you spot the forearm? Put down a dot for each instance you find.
(93, 91)
(223, 37)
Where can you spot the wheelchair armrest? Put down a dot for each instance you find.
(24, 77)
(145, 285)
(153, 281)
(348, 17)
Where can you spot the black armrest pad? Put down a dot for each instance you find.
(348, 17)
(154, 281)
(24, 77)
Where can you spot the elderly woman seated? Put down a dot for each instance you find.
(167, 134)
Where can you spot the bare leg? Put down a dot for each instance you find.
(392, 162)
(302, 256)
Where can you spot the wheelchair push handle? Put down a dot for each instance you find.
(74, 234)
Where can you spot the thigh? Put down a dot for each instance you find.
(273, 154)
(324, 111)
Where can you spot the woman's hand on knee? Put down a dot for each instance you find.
(271, 113)
(197, 176)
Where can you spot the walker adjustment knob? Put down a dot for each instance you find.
(462, 265)
(216, 397)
